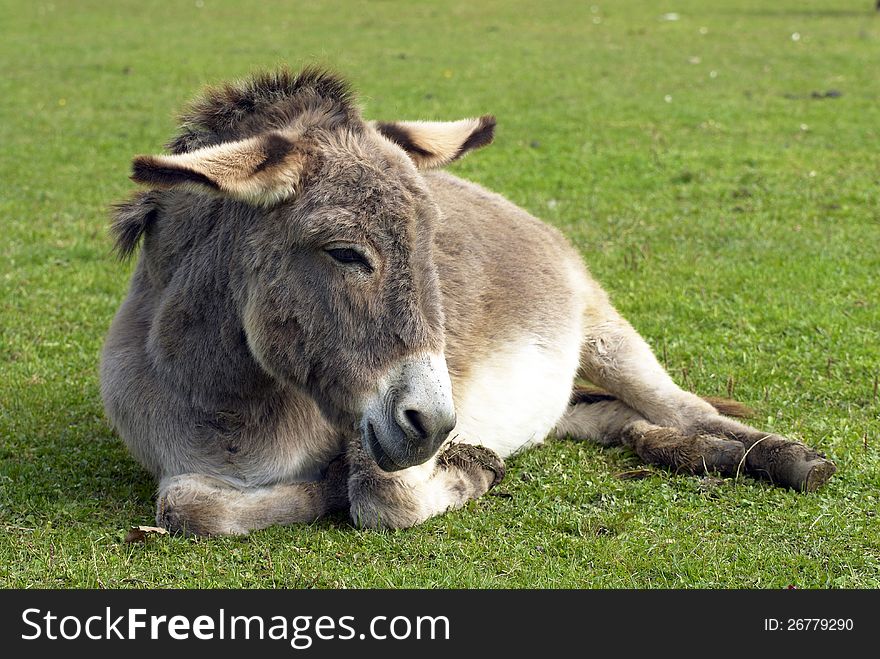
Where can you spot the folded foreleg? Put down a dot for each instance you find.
(400, 499)
(198, 504)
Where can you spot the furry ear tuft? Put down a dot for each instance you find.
(131, 219)
(432, 144)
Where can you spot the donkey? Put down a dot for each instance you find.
(321, 321)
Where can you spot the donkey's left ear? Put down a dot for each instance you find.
(433, 144)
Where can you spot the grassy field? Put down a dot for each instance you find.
(718, 168)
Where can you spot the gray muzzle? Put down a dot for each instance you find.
(408, 419)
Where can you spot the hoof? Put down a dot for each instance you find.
(195, 505)
(176, 520)
(819, 471)
(469, 455)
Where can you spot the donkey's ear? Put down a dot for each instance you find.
(433, 144)
(261, 170)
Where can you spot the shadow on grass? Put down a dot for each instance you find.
(76, 470)
(73, 470)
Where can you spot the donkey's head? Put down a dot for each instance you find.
(340, 294)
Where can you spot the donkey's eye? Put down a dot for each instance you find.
(349, 255)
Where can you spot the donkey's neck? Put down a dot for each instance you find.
(191, 277)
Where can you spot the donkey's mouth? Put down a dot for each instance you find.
(374, 448)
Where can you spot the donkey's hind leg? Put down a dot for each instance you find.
(401, 499)
(610, 422)
(617, 359)
(198, 504)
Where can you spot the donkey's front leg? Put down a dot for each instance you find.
(199, 504)
(401, 499)
(616, 358)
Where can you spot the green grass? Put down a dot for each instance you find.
(733, 217)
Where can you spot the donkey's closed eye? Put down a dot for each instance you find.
(349, 255)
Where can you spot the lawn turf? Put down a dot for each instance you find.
(718, 169)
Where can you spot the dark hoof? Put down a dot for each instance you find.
(789, 464)
(818, 473)
(467, 456)
(170, 519)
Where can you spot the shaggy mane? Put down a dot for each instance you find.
(265, 101)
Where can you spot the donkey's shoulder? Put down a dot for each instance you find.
(490, 216)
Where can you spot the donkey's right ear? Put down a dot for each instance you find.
(262, 170)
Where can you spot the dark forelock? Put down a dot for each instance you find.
(264, 101)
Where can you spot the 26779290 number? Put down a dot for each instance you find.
(809, 624)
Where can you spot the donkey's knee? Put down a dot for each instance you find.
(616, 358)
(195, 504)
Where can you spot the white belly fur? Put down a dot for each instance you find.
(514, 399)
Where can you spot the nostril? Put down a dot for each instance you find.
(416, 422)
